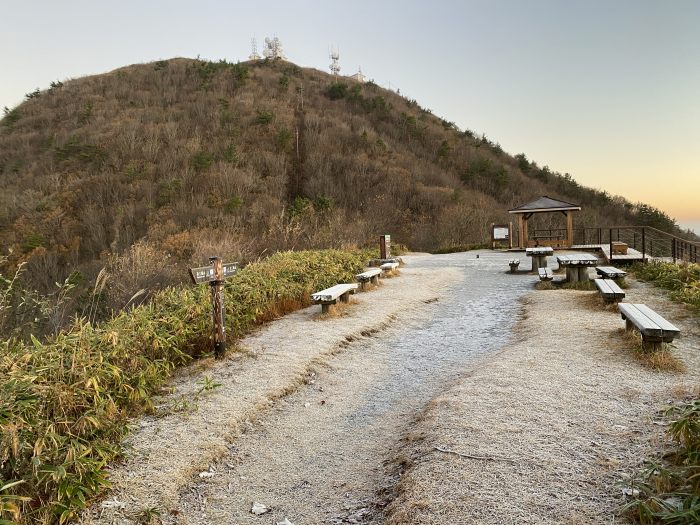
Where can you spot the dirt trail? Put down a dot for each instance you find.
(326, 421)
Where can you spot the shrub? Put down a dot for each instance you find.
(264, 117)
(337, 90)
(233, 204)
(283, 139)
(201, 161)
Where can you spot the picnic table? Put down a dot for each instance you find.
(539, 256)
(577, 266)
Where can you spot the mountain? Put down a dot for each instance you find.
(192, 158)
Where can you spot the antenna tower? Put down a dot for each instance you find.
(273, 48)
(334, 55)
(254, 50)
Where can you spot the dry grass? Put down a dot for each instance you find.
(660, 361)
(545, 285)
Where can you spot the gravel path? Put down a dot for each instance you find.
(328, 420)
(196, 426)
(549, 428)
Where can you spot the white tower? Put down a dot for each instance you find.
(273, 49)
(334, 55)
(254, 50)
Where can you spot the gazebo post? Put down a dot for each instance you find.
(525, 218)
(569, 228)
(521, 242)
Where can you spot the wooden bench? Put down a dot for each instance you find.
(370, 276)
(545, 274)
(609, 289)
(514, 263)
(330, 296)
(610, 272)
(654, 328)
(389, 267)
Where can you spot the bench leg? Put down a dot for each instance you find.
(534, 264)
(571, 274)
(628, 325)
(651, 346)
(325, 308)
(345, 298)
(362, 286)
(375, 279)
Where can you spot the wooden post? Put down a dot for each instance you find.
(525, 241)
(217, 300)
(569, 229)
(214, 274)
(385, 247)
(610, 237)
(644, 246)
(520, 232)
(510, 235)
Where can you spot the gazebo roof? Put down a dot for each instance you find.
(544, 204)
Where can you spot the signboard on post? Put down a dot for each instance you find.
(501, 234)
(385, 247)
(214, 274)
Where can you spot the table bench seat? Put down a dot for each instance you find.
(330, 296)
(654, 328)
(545, 274)
(610, 272)
(368, 277)
(389, 267)
(609, 290)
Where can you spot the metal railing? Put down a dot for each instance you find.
(649, 241)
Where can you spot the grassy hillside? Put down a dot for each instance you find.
(195, 158)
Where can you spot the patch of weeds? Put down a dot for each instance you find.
(544, 285)
(585, 286)
(667, 490)
(160, 64)
(206, 384)
(660, 360)
(149, 516)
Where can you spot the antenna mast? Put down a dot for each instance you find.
(254, 50)
(334, 55)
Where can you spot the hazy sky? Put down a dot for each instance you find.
(608, 91)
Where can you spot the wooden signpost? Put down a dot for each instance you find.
(385, 247)
(214, 274)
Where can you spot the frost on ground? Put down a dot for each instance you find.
(210, 407)
(546, 430)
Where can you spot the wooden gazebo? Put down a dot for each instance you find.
(545, 205)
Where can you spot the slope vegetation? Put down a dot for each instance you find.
(197, 157)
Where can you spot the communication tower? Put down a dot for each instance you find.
(273, 49)
(254, 50)
(334, 55)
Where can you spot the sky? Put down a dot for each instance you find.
(608, 91)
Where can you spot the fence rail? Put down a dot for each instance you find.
(649, 241)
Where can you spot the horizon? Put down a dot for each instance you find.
(612, 103)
